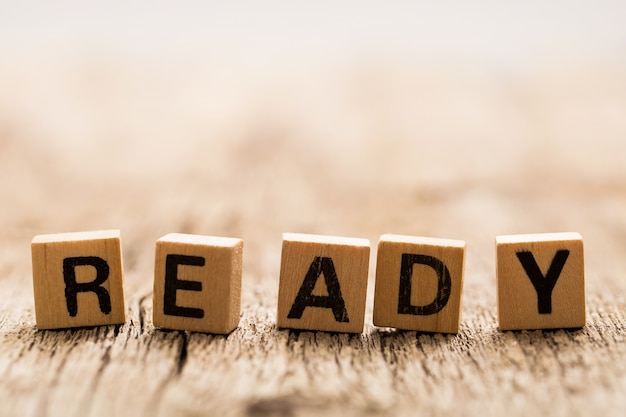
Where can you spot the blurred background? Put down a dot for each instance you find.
(249, 119)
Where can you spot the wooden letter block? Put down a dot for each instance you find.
(197, 283)
(419, 282)
(541, 281)
(77, 279)
(323, 283)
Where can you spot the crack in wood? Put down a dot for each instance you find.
(181, 358)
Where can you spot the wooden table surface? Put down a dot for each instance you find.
(152, 146)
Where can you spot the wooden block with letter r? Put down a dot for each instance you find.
(197, 283)
(323, 283)
(541, 281)
(419, 282)
(77, 279)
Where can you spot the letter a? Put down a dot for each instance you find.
(333, 300)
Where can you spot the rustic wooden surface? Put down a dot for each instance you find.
(152, 146)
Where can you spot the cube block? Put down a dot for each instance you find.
(78, 279)
(197, 283)
(541, 281)
(323, 283)
(419, 282)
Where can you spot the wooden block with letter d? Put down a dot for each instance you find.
(541, 281)
(419, 282)
(323, 283)
(77, 279)
(197, 283)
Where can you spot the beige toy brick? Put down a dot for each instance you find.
(323, 283)
(197, 283)
(419, 282)
(78, 279)
(541, 281)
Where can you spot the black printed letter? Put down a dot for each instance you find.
(333, 300)
(72, 288)
(444, 285)
(543, 285)
(173, 284)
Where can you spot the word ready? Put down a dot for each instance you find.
(77, 280)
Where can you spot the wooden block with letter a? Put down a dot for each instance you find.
(197, 283)
(541, 281)
(323, 283)
(77, 279)
(419, 282)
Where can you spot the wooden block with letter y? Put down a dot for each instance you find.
(541, 281)
(323, 283)
(197, 283)
(419, 282)
(77, 279)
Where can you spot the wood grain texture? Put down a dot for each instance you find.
(201, 287)
(425, 277)
(428, 148)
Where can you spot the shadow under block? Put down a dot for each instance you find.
(77, 279)
(323, 283)
(197, 283)
(541, 283)
(419, 282)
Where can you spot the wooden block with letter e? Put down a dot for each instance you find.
(197, 283)
(77, 279)
(541, 281)
(419, 282)
(323, 283)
